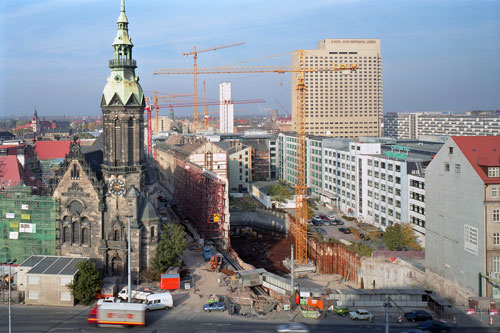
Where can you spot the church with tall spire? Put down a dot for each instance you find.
(104, 187)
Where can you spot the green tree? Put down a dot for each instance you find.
(170, 248)
(280, 192)
(399, 237)
(86, 283)
(393, 237)
(409, 238)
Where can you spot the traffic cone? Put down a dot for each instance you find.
(491, 320)
(400, 320)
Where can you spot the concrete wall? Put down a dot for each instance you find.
(269, 220)
(387, 274)
(48, 289)
(454, 200)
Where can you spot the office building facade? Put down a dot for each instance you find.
(341, 103)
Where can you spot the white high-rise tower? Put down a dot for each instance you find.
(226, 108)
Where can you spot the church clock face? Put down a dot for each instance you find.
(117, 187)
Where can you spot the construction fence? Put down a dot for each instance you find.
(27, 224)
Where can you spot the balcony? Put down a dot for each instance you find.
(122, 63)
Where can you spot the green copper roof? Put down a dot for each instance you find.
(122, 18)
(122, 81)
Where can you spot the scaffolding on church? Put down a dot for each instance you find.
(200, 197)
(27, 224)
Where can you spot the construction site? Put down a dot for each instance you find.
(27, 224)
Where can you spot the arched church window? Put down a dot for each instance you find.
(66, 235)
(75, 173)
(85, 236)
(152, 233)
(118, 142)
(75, 232)
(116, 235)
(76, 207)
(131, 141)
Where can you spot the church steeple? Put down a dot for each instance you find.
(122, 84)
(122, 106)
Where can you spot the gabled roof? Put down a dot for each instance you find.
(48, 150)
(481, 152)
(13, 174)
(148, 211)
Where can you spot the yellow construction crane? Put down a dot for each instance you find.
(194, 53)
(154, 101)
(299, 229)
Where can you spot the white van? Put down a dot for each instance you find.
(159, 301)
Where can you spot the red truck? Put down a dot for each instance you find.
(123, 314)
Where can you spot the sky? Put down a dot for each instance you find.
(438, 55)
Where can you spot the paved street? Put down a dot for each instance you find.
(57, 319)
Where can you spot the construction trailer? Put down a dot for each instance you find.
(27, 224)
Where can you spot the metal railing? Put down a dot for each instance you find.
(122, 62)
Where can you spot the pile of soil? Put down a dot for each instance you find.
(266, 252)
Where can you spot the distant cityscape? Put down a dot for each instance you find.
(332, 205)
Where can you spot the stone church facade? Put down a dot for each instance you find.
(102, 188)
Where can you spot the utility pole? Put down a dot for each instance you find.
(10, 263)
(292, 264)
(128, 260)
(386, 305)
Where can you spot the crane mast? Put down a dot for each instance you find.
(299, 229)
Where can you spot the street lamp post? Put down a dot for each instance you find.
(10, 263)
(128, 260)
(132, 194)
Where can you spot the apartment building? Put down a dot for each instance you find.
(463, 217)
(416, 125)
(239, 164)
(287, 160)
(375, 180)
(341, 103)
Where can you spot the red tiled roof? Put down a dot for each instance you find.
(481, 152)
(47, 150)
(11, 171)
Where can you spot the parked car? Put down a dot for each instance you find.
(435, 326)
(321, 231)
(345, 230)
(325, 222)
(108, 299)
(361, 314)
(292, 328)
(331, 217)
(323, 217)
(333, 222)
(418, 315)
(216, 306)
(317, 223)
(339, 221)
(341, 310)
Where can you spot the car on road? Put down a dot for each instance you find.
(292, 328)
(321, 231)
(345, 230)
(361, 314)
(216, 306)
(108, 299)
(341, 310)
(418, 315)
(435, 326)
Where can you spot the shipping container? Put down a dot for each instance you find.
(170, 281)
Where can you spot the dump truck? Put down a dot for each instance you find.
(118, 314)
